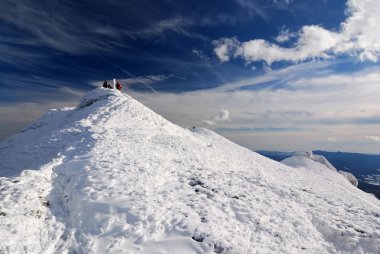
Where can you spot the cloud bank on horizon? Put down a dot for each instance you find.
(268, 74)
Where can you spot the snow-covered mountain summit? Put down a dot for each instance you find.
(112, 176)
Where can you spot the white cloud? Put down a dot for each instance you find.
(332, 139)
(356, 37)
(285, 35)
(267, 68)
(222, 116)
(225, 47)
(373, 138)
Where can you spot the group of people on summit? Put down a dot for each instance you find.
(116, 84)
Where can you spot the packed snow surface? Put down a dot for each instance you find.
(111, 176)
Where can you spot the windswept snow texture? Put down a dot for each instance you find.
(111, 176)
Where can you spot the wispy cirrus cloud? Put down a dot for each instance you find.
(262, 9)
(148, 81)
(254, 8)
(354, 37)
(78, 28)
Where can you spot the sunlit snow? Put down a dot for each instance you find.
(112, 176)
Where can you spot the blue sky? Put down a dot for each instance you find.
(268, 74)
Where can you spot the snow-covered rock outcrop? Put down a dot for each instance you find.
(309, 160)
(297, 158)
(111, 176)
(350, 177)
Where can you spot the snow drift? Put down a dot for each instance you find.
(111, 176)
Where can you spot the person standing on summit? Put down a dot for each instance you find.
(116, 84)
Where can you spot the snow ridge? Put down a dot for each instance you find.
(112, 176)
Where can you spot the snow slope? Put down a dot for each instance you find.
(111, 176)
